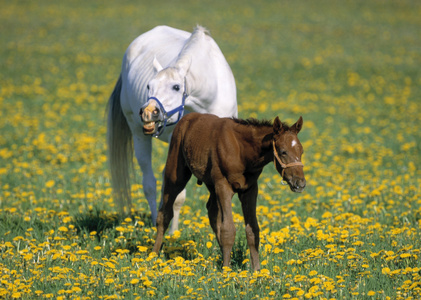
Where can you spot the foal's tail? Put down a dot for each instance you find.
(120, 150)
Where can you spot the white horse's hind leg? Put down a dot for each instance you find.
(143, 153)
(176, 208)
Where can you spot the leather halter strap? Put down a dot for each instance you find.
(168, 114)
(284, 166)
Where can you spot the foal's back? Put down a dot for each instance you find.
(208, 143)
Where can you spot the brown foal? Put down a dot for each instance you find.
(228, 155)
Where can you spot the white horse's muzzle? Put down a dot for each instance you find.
(155, 117)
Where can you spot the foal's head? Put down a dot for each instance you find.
(287, 152)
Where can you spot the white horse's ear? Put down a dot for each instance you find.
(157, 66)
(183, 65)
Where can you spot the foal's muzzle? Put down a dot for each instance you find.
(297, 185)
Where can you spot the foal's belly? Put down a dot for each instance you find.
(199, 163)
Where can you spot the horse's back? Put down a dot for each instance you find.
(158, 41)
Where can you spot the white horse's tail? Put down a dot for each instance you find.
(120, 149)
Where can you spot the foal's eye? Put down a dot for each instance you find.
(176, 87)
(283, 152)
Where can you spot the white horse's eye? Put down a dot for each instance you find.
(176, 87)
(147, 86)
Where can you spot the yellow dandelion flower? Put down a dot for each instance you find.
(147, 282)
(67, 219)
(371, 293)
(134, 281)
(208, 245)
(120, 229)
(142, 248)
(50, 183)
(63, 229)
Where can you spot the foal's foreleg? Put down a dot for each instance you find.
(248, 200)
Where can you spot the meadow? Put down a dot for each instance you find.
(350, 68)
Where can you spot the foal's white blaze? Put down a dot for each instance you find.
(294, 143)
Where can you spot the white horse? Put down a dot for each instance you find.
(166, 72)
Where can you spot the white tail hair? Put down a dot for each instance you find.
(120, 150)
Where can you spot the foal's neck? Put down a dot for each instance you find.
(260, 140)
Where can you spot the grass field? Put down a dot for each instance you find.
(350, 68)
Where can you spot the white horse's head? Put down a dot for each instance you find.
(167, 93)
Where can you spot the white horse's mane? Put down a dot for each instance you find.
(198, 33)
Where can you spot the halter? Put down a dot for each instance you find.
(284, 166)
(169, 114)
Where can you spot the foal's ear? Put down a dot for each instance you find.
(277, 126)
(297, 126)
(183, 65)
(157, 66)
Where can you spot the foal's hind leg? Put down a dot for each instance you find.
(213, 211)
(248, 200)
(220, 217)
(179, 201)
(175, 180)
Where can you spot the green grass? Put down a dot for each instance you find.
(350, 68)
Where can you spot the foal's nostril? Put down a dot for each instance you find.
(299, 183)
(302, 183)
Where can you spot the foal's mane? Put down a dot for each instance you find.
(258, 123)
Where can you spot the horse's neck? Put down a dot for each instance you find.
(202, 78)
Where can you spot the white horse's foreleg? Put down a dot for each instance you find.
(176, 208)
(143, 153)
